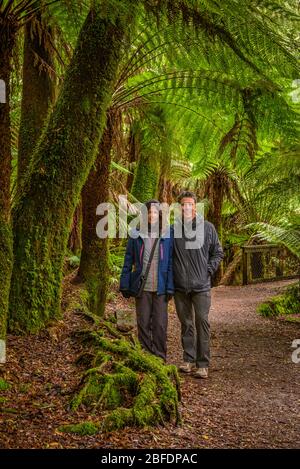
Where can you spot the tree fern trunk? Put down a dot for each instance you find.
(5, 174)
(216, 190)
(133, 154)
(145, 183)
(94, 267)
(74, 242)
(228, 277)
(38, 92)
(165, 185)
(62, 161)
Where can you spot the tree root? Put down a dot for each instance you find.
(128, 385)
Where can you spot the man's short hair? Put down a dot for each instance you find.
(185, 194)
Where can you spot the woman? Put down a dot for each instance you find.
(151, 280)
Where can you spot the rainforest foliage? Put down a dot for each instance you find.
(143, 99)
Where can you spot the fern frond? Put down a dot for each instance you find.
(277, 234)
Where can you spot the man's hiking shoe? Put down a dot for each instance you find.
(187, 367)
(201, 373)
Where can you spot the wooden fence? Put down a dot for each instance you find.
(268, 262)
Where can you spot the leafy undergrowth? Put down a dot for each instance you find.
(4, 385)
(285, 306)
(122, 383)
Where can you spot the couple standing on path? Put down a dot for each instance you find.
(177, 260)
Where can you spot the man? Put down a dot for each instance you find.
(196, 257)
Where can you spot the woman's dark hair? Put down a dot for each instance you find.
(156, 204)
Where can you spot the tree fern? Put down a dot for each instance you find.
(278, 234)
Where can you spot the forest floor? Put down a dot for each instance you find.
(251, 399)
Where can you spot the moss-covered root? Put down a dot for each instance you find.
(144, 411)
(136, 387)
(102, 389)
(83, 428)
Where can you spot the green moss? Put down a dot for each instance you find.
(112, 330)
(86, 104)
(73, 261)
(37, 285)
(284, 305)
(102, 389)
(94, 269)
(137, 388)
(84, 296)
(101, 358)
(84, 428)
(118, 419)
(6, 261)
(111, 396)
(4, 385)
(90, 392)
(144, 408)
(25, 387)
(81, 306)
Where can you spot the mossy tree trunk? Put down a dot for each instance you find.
(6, 257)
(61, 163)
(38, 92)
(146, 178)
(94, 266)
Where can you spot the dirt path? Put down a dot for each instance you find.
(251, 399)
